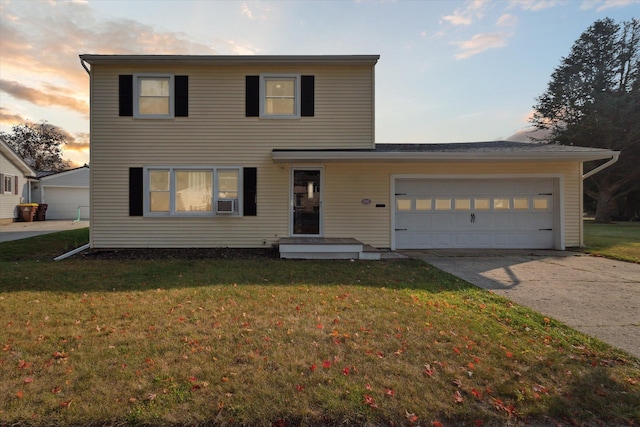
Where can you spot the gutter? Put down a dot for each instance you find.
(603, 166)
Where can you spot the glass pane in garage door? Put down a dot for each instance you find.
(403, 204)
(481, 204)
(501, 204)
(520, 203)
(463, 204)
(540, 203)
(423, 204)
(443, 204)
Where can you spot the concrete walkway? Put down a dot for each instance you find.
(23, 230)
(597, 296)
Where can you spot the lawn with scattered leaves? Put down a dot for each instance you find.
(268, 341)
(619, 240)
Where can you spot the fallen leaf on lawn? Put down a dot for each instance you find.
(20, 394)
(326, 364)
(368, 400)
(313, 367)
(56, 390)
(28, 380)
(65, 404)
(509, 354)
(458, 397)
(428, 370)
(476, 393)
(346, 371)
(457, 382)
(436, 424)
(24, 365)
(299, 387)
(390, 392)
(412, 418)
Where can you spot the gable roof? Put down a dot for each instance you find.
(47, 174)
(475, 151)
(14, 158)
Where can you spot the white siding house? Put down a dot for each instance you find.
(14, 183)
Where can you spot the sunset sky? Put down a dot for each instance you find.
(450, 71)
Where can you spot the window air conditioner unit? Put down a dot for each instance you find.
(227, 206)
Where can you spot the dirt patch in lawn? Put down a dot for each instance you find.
(180, 253)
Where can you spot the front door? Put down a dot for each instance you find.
(306, 202)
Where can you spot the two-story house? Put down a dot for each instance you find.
(252, 151)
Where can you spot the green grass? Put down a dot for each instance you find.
(263, 342)
(617, 240)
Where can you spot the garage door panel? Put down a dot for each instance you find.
(482, 213)
(63, 202)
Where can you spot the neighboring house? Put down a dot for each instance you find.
(251, 151)
(66, 193)
(14, 182)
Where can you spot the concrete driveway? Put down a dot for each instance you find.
(597, 296)
(22, 230)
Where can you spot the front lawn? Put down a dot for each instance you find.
(267, 341)
(619, 240)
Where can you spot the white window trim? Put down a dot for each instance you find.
(172, 191)
(136, 96)
(12, 187)
(297, 94)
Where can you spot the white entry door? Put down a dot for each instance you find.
(474, 213)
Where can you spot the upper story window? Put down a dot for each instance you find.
(280, 96)
(153, 96)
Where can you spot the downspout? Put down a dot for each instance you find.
(85, 66)
(592, 172)
(601, 167)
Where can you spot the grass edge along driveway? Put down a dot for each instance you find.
(267, 341)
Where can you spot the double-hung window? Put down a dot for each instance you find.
(9, 184)
(153, 96)
(280, 96)
(192, 191)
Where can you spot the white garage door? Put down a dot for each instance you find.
(64, 201)
(474, 213)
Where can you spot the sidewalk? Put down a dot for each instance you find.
(23, 230)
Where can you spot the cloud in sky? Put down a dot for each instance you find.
(600, 5)
(473, 10)
(479, 43)
(8, 117)
(53, 96)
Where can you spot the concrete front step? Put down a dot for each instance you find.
(325, 248)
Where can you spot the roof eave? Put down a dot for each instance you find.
(355, 156)
(17, 160)
(94, 59)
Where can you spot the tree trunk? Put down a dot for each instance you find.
(602, 207)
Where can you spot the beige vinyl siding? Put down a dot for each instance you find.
(216, 133)
(346, 184)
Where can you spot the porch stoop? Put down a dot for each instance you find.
(326, 248)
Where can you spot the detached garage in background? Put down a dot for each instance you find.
(66, 193)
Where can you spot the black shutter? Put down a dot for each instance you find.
(136, 192)
(252, 96)
(1, 183)
(125, 92)
(249, 190)
(307, 93)
(17, 187)
(182, 96)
